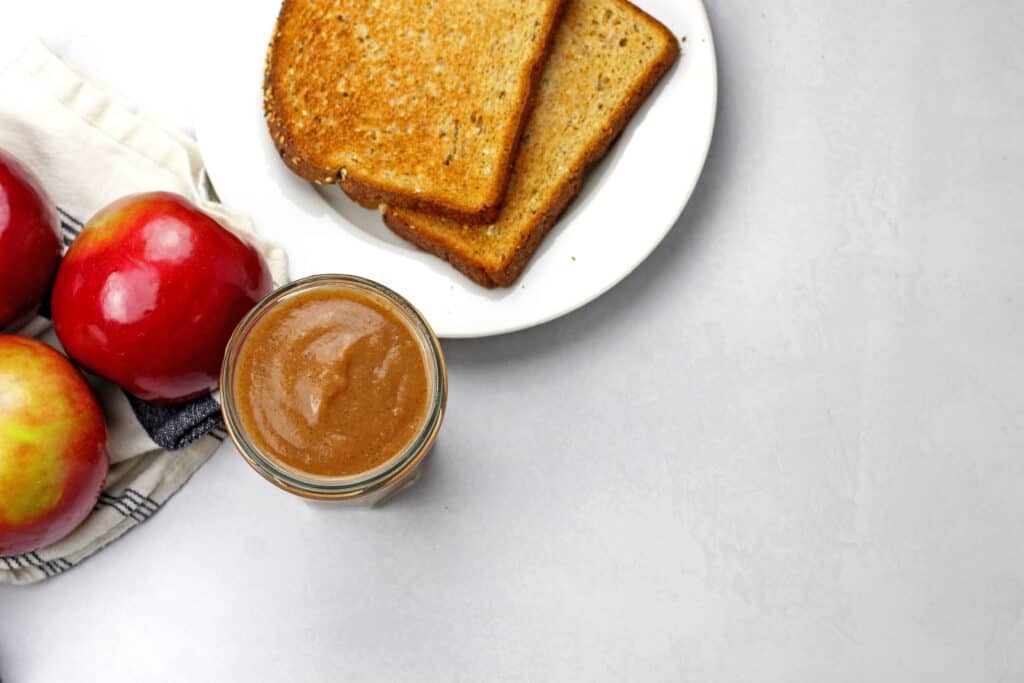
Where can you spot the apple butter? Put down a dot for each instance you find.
(331, 382)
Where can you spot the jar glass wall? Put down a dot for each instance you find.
(366, 487)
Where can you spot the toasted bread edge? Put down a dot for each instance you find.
(514, 266)
(369, 194)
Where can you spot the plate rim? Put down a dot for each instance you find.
(625, 269)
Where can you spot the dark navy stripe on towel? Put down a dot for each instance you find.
(127, 508)
(71, 219)
(145, 501)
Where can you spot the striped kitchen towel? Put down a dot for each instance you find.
(88, 150)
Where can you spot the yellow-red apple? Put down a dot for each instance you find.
(53, 446)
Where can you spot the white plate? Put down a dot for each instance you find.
(627, 205)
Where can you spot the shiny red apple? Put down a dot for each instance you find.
(29, 243)
(53, 446)
(149, 293)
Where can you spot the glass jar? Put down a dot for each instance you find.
(365, 488)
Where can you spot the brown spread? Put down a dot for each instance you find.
(331, 382)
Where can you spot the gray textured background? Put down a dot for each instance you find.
(800, 422)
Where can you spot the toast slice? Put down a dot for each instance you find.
(607, 57)
(413, 104)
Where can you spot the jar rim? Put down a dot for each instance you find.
(350, 486)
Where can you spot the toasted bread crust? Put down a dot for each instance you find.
(403, 224)
(370, 197)
(372, 192)
(444, 251)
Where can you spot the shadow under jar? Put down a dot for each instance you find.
(334, 388)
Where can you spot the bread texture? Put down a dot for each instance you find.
(607, 57)
(412, 104)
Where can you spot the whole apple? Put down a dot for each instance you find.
(53, 446)
(149, 293)
(29, 243)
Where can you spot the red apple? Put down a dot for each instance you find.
(29, 243)
(149, 293)
(53, 446)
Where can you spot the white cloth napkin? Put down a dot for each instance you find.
(88, 150)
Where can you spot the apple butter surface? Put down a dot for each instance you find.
(331, 383)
